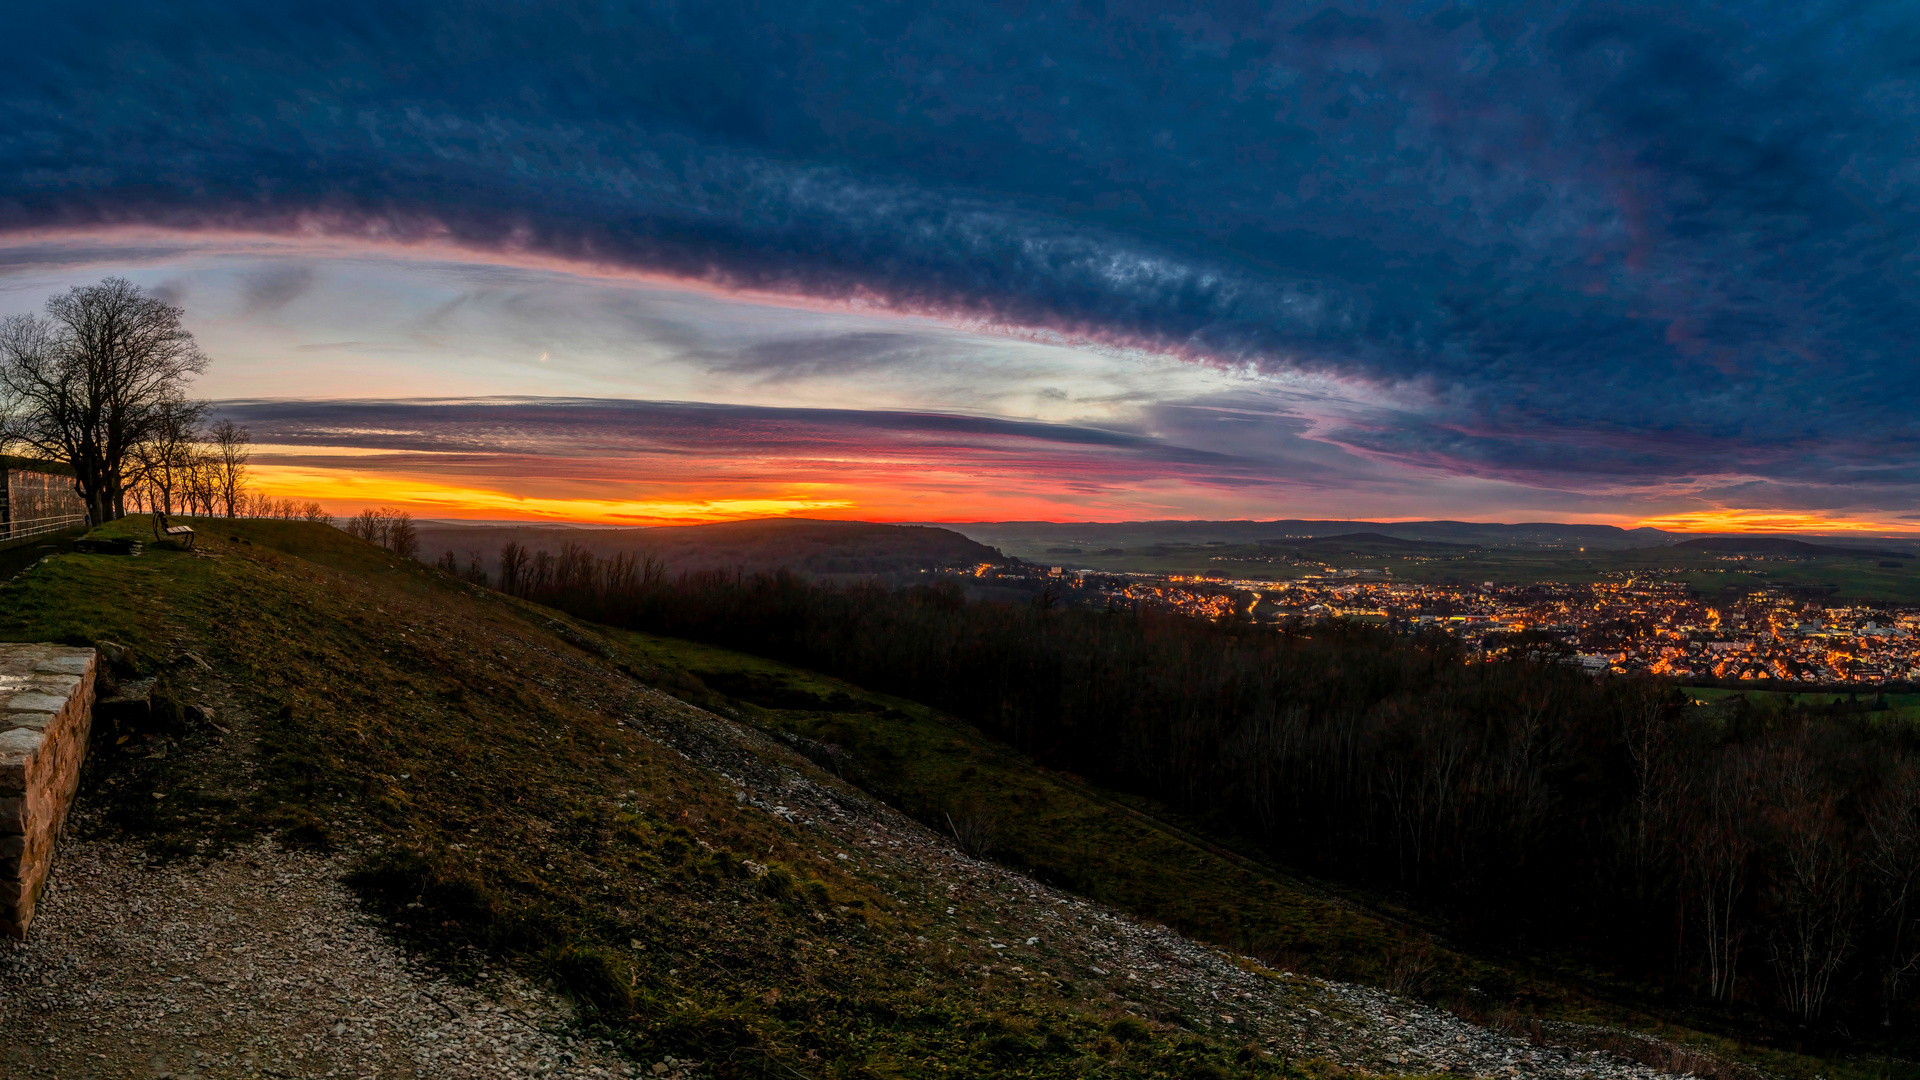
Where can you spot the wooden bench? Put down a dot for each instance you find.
(164, 531)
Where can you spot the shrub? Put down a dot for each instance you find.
(592, 976)
(778, 883)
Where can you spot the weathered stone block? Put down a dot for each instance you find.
(130, 706)
(27, 720)
(77, 662)
(46, 715)
(36, 700)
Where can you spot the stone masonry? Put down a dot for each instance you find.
(46, 714)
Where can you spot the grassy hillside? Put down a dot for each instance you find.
(1059, 829)
(509, 807)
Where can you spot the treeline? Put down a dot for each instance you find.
(186, 466)
(391, 528)
(1759, 859)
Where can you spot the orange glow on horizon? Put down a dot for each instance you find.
(343, 492)
(336, 488)
(1765, 521)
(857, 497)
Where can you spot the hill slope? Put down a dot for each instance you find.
(1779, 545)
(524, 808)
(1031, 539)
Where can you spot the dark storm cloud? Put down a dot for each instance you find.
(1594, 240)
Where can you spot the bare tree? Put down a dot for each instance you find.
(163, 457)
(201, 480)
(88, 381)
(231, 448)
(368, 525)
(513, 569)
(1716, 851)
(1893, 861)
(402, 537)
(1813, 894)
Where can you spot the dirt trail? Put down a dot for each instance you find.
(259, 964)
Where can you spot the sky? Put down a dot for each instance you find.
(639, 263)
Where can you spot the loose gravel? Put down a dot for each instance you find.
(258, 964)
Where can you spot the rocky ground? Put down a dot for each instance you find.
(258, 964)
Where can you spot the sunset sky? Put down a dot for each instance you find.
(965, 261)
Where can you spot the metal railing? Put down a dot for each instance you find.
(18, 530)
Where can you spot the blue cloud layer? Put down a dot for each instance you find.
(1590, 241)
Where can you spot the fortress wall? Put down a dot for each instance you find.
(46, 714)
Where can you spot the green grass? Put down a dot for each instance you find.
(1902, 708)
(17, 555)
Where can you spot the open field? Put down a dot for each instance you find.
(1904, 708)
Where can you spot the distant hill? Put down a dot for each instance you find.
(815, 548)
(1365, 540)
(1031, 539)
(1780, 545)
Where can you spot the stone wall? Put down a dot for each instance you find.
(46, 714)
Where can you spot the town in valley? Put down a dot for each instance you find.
(1770, 634)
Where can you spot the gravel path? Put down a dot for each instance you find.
(254, 965)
